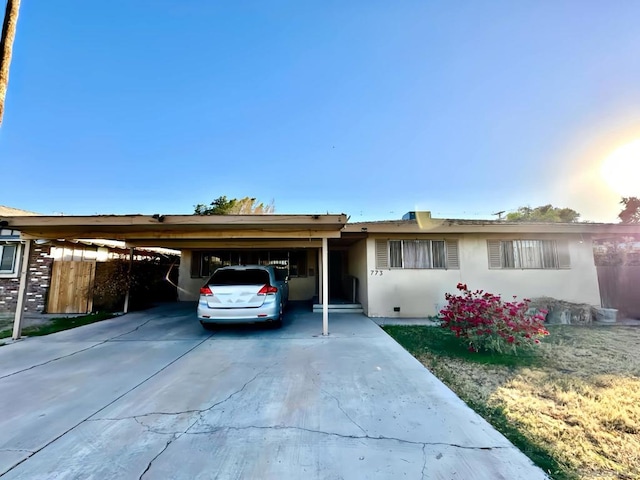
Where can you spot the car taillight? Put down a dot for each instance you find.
(206, 291)
(267, 289)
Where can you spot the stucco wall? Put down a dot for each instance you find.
(420, 293)
(300, 288)
(576, 284)
(188, 288)
(357, 266)
(304, 288)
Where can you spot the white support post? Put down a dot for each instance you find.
(22, 291)
(320, 273)
(325, 287)
(125, 309)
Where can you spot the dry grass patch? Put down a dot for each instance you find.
(574, 408)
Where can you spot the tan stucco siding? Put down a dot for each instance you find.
(579, 283)
(357, 266)
(188, 288)
(304, 288)
(420, 293)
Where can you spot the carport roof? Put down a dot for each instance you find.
(153, 229)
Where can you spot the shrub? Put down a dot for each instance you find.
(488, 323)
(148, 284)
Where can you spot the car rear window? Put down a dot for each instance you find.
(252, 276)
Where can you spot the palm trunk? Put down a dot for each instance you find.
(6, 48)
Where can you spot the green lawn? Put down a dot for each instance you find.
(573, 406)
(59, 324)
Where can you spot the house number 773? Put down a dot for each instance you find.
(376, 272)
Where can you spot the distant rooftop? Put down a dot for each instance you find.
(14, 212)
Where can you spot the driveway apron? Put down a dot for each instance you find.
(153, 395)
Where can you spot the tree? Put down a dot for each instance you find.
(544, 213)
(6, 48)
(220, 206)
(631, 211)
(233, 206)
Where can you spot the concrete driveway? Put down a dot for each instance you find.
(153, 395)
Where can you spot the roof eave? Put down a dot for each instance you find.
(453, 227)
(124, 227)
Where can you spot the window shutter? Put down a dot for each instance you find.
(564, 261)
(493, 248)
(382, 254)
(453, 261)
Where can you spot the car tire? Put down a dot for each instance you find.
(278, 322)
(208, 326)
(275, 324)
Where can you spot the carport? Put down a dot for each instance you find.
(184, 232)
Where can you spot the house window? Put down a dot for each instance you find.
(292, 263)
(528, 254)
(298, 263)
(420, 254)
(8, 256)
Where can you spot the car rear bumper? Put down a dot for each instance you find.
(264, 313)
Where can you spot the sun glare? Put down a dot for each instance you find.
(621, 169)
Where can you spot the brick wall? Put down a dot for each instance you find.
(8, 294)
(38, 279)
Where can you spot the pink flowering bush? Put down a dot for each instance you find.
(488, 323)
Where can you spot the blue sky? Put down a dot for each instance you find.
(369, 108)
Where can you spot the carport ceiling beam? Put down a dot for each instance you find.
(219, 243)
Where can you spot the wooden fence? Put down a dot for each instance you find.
(620, 288)
(71, 287)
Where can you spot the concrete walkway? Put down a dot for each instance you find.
(153, 395)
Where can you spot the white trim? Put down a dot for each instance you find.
(16, 261)
(325, 287)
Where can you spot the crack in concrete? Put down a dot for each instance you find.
(134, 330)
(326, 392)
(53, 360)
(229, 397)
(176, 434)
(423, 445)
(155, 458)
(76, 352)
(109, 404)
(151, 429)
(142, 415)
(22, 450)
(30, 454)
(199, 413)
(340, 435)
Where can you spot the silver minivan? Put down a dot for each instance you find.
(243, 293)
